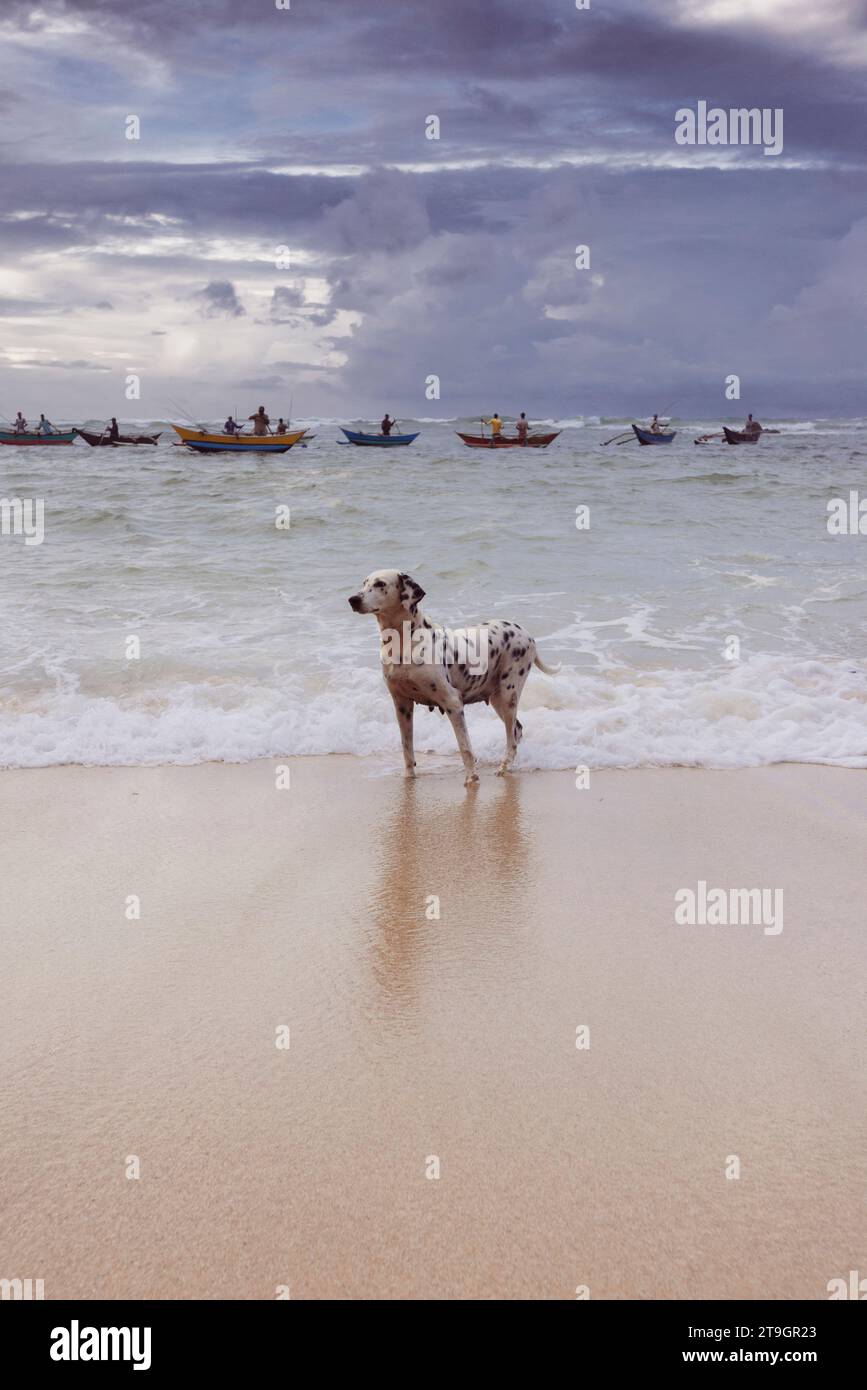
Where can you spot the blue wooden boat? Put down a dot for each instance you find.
(648, 437)
(379, 441)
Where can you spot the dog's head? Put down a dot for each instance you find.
(384, 591)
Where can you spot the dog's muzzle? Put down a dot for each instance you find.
(355, 602)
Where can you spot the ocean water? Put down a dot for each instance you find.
(248, 647)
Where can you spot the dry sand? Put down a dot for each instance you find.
(413, 1037)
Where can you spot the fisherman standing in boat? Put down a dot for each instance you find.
(752, 426)
(260, 421)
(522, 425)
(113, 431)
(386, 425)
(20, 424)
(44, 426)
(496, 425)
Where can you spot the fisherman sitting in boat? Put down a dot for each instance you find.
(44, 426)
(282, 427)
(20, 424)
(752, 426)
(385, 424)
(231, 426)
(655, 426)
(260, 421)
(522, 425)
(496, 424)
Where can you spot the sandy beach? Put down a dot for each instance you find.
(414, 1038)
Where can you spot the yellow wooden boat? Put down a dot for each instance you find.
(207, 443)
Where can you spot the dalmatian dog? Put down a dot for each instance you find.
(425, 664)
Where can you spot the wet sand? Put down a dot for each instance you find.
(413, 1038)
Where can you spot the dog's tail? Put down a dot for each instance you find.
(549, 670)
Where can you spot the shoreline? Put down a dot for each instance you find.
(413, 1037)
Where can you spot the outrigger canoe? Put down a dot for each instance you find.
(379, 441)
(30, 437)
(739, 437)
(648, 436)
(206, 443)
(500, 441)
(96, 440)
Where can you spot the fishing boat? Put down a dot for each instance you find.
(95, 440)
(31, 437)
(739, 437)
(500, 441)
(379, 441)
(648, 436)
(205, 442)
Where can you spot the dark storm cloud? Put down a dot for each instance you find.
(289, 306)
(218, 300)
(466, 272)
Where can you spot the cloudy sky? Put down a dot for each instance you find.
(305, 128)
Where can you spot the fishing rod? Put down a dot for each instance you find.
(185, 413)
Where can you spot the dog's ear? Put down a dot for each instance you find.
(410, 592)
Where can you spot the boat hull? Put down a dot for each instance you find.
(61, 437)
(379, 441)
(97, 441)
(533, 441)
(205, 443)
(738, 437)
(648, 437)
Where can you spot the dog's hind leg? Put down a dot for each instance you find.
(506, 704)
(404, 709)
(455, 710)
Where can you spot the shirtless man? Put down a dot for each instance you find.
(260, 421)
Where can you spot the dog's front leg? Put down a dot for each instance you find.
(403, 708)
(459, 724)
